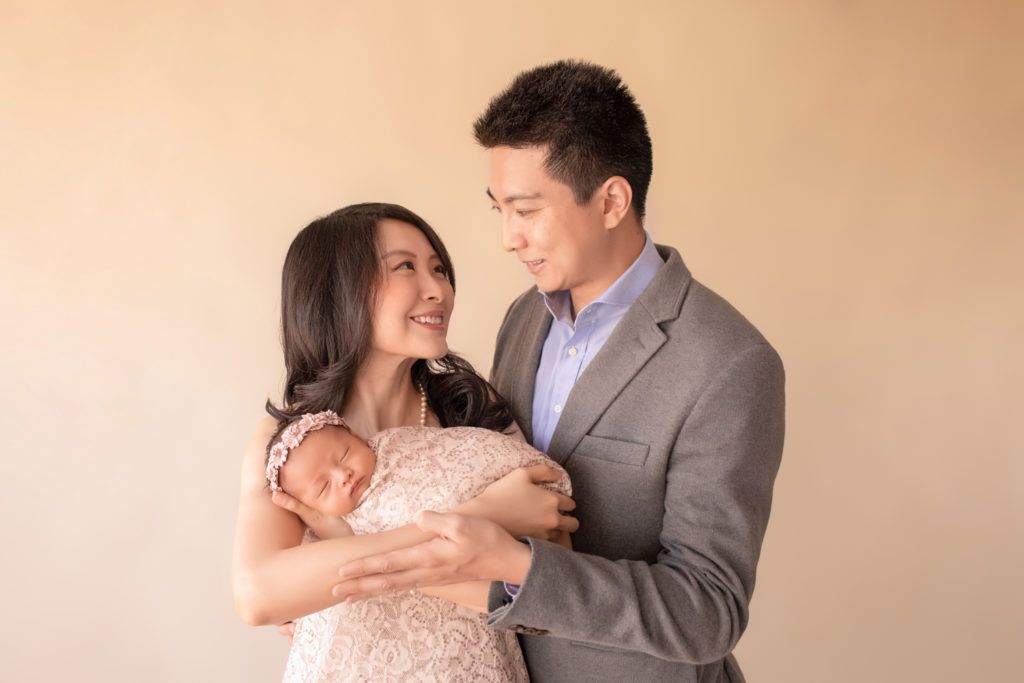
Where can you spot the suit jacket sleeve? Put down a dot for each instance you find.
(691, 603)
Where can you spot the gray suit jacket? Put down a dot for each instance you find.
(672, 436)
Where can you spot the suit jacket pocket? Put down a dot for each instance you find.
(613, 450)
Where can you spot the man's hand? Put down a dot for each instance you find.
(324, 526)
(467, 548)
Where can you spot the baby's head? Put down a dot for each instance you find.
(328, 467)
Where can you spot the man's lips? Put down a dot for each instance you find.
(533, 266)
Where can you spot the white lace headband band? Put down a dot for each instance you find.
(292, 436)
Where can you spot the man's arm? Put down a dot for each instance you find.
(690, 605)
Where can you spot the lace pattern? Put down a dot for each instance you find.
(411, 636)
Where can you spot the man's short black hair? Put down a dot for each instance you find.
(586, 117)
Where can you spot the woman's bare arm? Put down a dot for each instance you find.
(471, 594)
(277, 578)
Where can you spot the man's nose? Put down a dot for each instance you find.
(511, 236)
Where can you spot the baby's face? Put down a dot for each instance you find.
(329, 471)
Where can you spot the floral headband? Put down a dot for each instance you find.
(292, 436)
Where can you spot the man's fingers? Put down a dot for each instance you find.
(369, 586)
(374, 564)
(393, 562)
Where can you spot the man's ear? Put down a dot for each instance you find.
(617, 198)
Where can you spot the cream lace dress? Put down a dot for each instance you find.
(411, 636)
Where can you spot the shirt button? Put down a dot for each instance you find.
(558, 409)
(572, 350)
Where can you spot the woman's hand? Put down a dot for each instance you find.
(523, 508)
(324, 526)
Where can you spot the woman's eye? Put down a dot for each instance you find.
(524, 212)
(404, 265)
(495, 207)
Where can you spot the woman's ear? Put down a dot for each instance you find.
(617, 197)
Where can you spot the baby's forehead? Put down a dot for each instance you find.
(327, 438)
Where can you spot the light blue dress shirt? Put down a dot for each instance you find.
(570, 346)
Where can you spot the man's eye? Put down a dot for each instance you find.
(495, 207)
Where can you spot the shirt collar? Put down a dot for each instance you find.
(623, 291)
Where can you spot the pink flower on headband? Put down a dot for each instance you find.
(292, 436)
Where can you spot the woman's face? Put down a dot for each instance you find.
(414, 302)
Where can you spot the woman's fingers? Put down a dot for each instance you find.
(287, 629)
(291, 504)
(565, 503)
(283, 500)
(542, 474)
(446, 526)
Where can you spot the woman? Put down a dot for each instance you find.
(367, 296)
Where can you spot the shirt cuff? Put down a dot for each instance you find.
(511, 590)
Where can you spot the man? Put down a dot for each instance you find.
(663, 403)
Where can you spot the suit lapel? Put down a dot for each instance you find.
(527, 360)
(635, 339)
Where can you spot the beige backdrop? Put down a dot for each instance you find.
(847, 173)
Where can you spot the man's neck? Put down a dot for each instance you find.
(623, 250)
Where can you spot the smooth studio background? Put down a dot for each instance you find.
(847, 173)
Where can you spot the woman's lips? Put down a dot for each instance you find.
(432, 321)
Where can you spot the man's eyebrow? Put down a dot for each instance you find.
(514, 197)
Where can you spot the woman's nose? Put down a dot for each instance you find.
(432, 288)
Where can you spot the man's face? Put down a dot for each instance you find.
(561, 243)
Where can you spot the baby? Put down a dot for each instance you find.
(378, 485)
(330, 473)
(331, 470)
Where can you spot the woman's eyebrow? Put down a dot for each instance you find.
(398, 252)
(408, 254)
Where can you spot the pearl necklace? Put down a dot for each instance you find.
(423, 405)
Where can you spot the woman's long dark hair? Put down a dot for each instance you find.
(328, 287)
